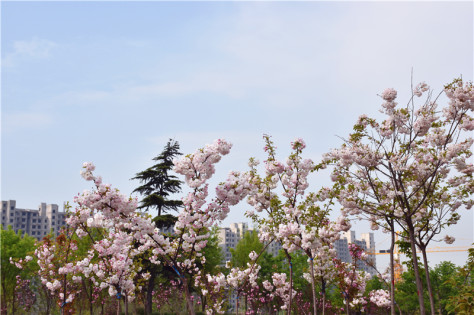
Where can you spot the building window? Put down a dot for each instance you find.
(54, 217)
(45, 227)
(12, 207)
(33, 233)
(54, 211)
(34, 214)
(23, 220)
(11, 220)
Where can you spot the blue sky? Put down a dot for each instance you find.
(110, 82)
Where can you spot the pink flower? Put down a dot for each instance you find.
(389, 94)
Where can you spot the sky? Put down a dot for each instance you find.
(111, 82)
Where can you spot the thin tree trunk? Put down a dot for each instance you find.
(149, 292)
(399, 310)
(428, 281)
(13, 302)
(237, 305)
(119, 306)
(416, 269)
(323, 289)
(291, 282)
(48, 300)
(125, 302)
(392, 273)
(440, 308)
(91, 307)
(188, 296)
(203, 303)
(315, 310)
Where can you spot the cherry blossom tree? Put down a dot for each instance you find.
(301, 222)
(126, 233)
(410, 167)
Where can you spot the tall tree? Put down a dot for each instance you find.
(412, 168)
(157, 184)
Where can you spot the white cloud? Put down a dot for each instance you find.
(35, 48)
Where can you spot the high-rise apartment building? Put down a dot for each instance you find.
(367, 243)
(36, 223)
(230, 236)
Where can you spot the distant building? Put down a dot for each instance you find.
(36, 223)
(366, 242)
(230, 236)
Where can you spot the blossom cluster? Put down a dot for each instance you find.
(380, 297)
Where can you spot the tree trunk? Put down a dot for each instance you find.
(149, 292)
(428, 281)
(440, 307)
(237, 305)
(203, 303)
(13, 301)
(48, 299)
(91, 306)
(323, 289)
(392, 273)
(291, 282)
(419, 284)
(315, 310)
(188, 296)
(399, 310)
(125, 302)
(119, 306)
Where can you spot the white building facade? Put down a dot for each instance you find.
(230, 236)
(367, 243)
(36, 223)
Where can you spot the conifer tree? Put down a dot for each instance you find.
(157, 184)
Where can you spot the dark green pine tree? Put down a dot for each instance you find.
(157, 184)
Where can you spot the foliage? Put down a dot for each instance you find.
(299, 262)
(445, 284)
(250, 242)
(212, 253)
(157, 183)
(462, 301)
(14, 247)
